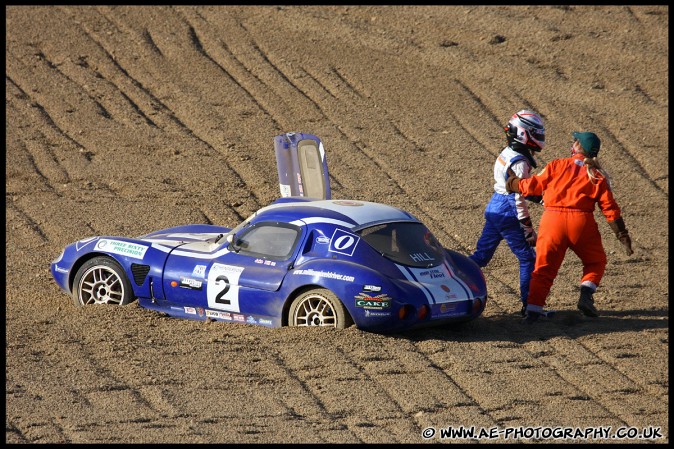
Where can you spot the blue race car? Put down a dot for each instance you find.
(301, 261)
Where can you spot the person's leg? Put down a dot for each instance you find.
(551, 247)
(585, 241)
(514, 236)
(487, 243)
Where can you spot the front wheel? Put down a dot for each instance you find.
(101, 280)
(318, 307)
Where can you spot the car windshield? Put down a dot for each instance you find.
(405, 243)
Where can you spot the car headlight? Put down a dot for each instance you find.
(58, 259)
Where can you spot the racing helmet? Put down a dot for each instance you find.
(526, 128)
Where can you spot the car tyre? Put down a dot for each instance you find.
(318, 307)
(101, 280)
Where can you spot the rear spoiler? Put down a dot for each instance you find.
(302, 167)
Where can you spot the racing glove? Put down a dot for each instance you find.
(535, 198)
(529, 232)
(512, 183)
(620, 231)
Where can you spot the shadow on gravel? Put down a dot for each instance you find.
(567, 323)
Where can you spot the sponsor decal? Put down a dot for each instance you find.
(322, 239)
(219, 315)
(447, 307)
(200, 311)
(433, 274)
(445, 288)
(366, 301)
(122, 248)
(370, 313)
(371, 288)
(325, 274)
(343, 242)
(299, 184)
(199, 270)
(251, 320)
(238, 317)
(190, 310)
(347, 203)
(59, 269)
(270, 263)
(285, 190)
(192, 284)
(264, 321)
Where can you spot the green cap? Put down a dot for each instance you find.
(589, 141)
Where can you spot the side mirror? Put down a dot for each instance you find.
(232, 245)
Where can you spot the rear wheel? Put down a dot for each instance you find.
(101, 280)
(318, 307)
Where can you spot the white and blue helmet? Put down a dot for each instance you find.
(526, 127)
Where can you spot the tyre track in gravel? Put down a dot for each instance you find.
(95, 383)
(35, 104)
(183, 125)
(416, 386)
(564, 357)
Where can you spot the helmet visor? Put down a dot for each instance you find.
(538, 134)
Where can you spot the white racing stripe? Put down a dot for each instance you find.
(410, 277)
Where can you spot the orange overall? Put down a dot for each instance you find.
(569, 198)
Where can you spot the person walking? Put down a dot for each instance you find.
(507, 214)
(571, 187)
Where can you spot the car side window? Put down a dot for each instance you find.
(273, 240)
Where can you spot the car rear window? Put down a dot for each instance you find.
(405, 243)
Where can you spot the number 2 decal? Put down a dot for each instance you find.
(218, 297)
(222, 289)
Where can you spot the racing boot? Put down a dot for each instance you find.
(531, 317)
(586, 302)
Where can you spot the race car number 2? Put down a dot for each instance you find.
(223, 287)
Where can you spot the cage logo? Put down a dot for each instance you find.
(343, 242)
(366, 301)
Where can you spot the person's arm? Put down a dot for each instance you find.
(609, 207)
(522, 169)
